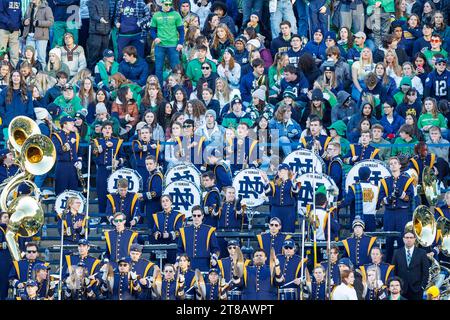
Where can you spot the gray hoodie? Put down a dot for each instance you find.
(340, 112)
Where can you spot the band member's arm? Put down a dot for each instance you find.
(382, 196)
(109, 210)
(214, 249)
(156, 189)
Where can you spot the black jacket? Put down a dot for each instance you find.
(99, 9)
(415, 277)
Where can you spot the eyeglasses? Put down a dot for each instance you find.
(31, 251)
(119, 220)
(274, 225)
(206, 68)
(196, 215)
(123, 264)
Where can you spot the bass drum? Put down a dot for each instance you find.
(303, 161)
(378, 171)
(248, 184)
(133, 177)
(185, 195)
(61, 201)
(307, 180)
(185, 172)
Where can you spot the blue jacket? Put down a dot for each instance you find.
(92, 264)
(136, 72)
(358, 249)
(266, 241)
(258, 283)
(59, 139)
(128, 205)
(223, 174)
(230, 216)
(60, 8)
(317, 50)
(118, 244)
(291, 129)
(17, 107)
(391, 127)
(299, 86)
(10, 15)
(404, 184)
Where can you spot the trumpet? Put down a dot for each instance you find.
(81, 179)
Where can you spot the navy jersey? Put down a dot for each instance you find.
(438, 85)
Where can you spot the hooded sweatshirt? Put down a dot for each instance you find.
(10, 15)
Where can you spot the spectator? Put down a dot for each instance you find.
(55, 64)
(68, 102)
(229, 69)
(168, 37)
(73, 55)
(407, 139)
(431, 117)
(437, 84)
(377, 139)
(281, 11)
(99, 30)
(360, 69)
(391, 121)
(288, 130)
(36, 28)
(252, 81)
(282, 42)
(220, 9)
(344, 109)
(194, 71)
(435, 137)
(63, 12)
(236, 116)
(10, 23)
(133, 67)
(208, 79)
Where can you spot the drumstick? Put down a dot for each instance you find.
(284, 285)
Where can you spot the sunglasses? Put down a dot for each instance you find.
(197, 215)
(435, 41)
(232, 247)
(119, 220)
(168, 271)
(187, 126)
(274, 225)
(206, 68)
(31, 251)
(123, 264)
(289, 248)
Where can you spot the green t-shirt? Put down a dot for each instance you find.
(194, 70)
(407, 150)
(430, 54)
(166, 24)
(68, 108)
(428, 120)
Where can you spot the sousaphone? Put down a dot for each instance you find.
(430, 186)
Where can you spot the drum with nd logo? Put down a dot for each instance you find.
(61, 200)
(307, 180)
(185, 195)
(133, 177)
(378, 171)
(304, 161)
(250, 186)
(186, 172)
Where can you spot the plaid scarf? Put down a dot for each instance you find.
(358, 200)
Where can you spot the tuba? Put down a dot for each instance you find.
(430, 186)
(443, 229)
(35, 155)
(424, 226)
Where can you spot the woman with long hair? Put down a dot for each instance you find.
(400, 10)
(229, 69)
(30, 57)
(195, 110)
(421, 66)
(151, 98)
(360, 69)
(171, 154)
(5, 72)
(288, 129)
(392, 67)
(188, 52)
(386, 81)
(427, 11)
(412, 32)
(183, 79)
(408, 71)
(259, 105)
(317, 106)
(276, 73)
(101, 96)
(180, 99)
(211, 24)
(328, 82)
(345, 291)
(74, 222)
(15, 100)
(222, 39)
(222, 93)
(117, 81)
(440, 26)
(55, 64)
(151, 120)
(309, 68)
(164, 116)
(411, 120)
(345, 39)
(264, 137)
(124, 108)
(86, 92)
(26, 70)
(411, 104)
(431, 117)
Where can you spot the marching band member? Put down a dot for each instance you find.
(362, 197)
(5, 257)
(373, 285)
(199, 242)
(72, 222)
(143, 147)
(46, 288)
(335, 276)
(184, 268)
(125, 284)
(30, 291)
(144, 270)
(358, 246)
(345, 290)
(22, 270)
(258, 281)
(282, 193)
(119, 240)
(193, 145)
(290, 266)
(315, 141)
(220, 168)
(79, 285)
(107, 156)
(444, 210)
(213, 286)
(67, 160)
(125, 202)
(168, 287)
(228, 269)
(274, 238)
(334, 165)
(91, 264)
(8, 166)
(362, 151)
(211, 199)
(242, 151)
(323, 217)
(166, 225)
(318, 287)
(395, 194)
(153, 189)
(384, 269)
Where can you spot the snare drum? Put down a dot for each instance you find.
(234, 295)
(304, 161)
(307, 180)
(288, 294)
(185, 195)
(378, 171)
(61, 200)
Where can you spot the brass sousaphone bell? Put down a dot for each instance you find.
(36, 155)
(443, 227)
(424, 226)
(430, 186)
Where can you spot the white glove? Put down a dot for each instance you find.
(100, 149)
(87, 281)
(133, 275)
(144, 148)
(78, 165)
(4, 245)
